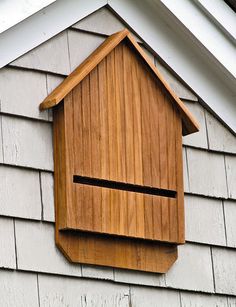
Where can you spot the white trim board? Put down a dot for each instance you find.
(163, 32)
(221, 13)
(156, 25)
(43, 25)
(14, 11)
(206, 31)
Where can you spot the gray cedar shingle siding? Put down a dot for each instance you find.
(230, 213)
(204, 214)
(22, 100)
(199, 139)
(20, 193)
(48, 212)
(205, 273)
(191, 299)
(7, 244)
(27, 143)
(81, 292)
(18, 289)
(36, 250)
(51, 56)
(107, 25)
(230, 163)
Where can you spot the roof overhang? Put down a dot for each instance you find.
(189, 124)
(196, 58)
(14, 11)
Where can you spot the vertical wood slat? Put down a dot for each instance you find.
(133, 136)
(69, 152)
(147, 168)
(112, 138)
(137, 143)
(95, 147)
(87, 147)
(121, 132)
(105, 163)
(129, 137)
(116, 196)
(78, 153)
(61, 200)
(163, 162)
(155, 140)
(180, 184)
(126, 135)
(172, 165)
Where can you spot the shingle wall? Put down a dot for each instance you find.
(33, 271)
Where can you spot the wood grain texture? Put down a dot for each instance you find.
(116, 252)
(83, 70)
(90, 197)
(120, 126)
(189, 123)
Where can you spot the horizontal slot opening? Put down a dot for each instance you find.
(124, 186)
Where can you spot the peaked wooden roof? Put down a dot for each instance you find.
(189, 123)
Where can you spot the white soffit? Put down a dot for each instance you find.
(169, 39)
(212, 35)
(222, 13)
(14, 11)
(43, 25)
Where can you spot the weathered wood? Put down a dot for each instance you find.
(230, 164)
(191, 264)
(139, 278)
(230, 225)
(78, 38)
(7, 244)
(224, 266)
(29, 90)
(47, 188)
(57, 291)
(51, 56)
(207, 174)
(18, 288)
(151, 297)
(27, 143)
(189, 299)
(20, 193)
(203, 214)
(219, 136)
(199, 139)
(36, 250)
(97, 272)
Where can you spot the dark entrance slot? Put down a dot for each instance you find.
(124, 186)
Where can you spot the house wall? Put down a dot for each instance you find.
(33, 271)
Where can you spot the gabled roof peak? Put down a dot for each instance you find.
(189, 123)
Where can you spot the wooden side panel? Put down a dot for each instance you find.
(63, 148)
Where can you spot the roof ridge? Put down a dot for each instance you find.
(189, 123)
